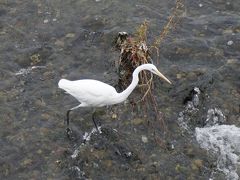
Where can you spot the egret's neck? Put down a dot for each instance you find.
(124, 95)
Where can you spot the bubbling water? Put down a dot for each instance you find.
(223, 140)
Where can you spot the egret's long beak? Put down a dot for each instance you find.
(163, 77)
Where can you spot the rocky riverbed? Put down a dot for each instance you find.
(44, 41)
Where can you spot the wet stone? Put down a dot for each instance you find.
(40, 103)
(27, 162)
(232, 61)
(228, 31)
(144, 139)
(138, 121)
(76, 173)
(188, 117)
(114, 116)
(45, 21)
(229, 43)
(197, 164)
(110, 134)
(108, 163)
(35, 59)
(181, 75)
(59, 43)
(214, 116)
(70, 35)
(45, 116)
(180, 168)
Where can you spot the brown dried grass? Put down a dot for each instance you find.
(134, 51)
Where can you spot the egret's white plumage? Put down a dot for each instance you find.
(89, 92)
(93, 93)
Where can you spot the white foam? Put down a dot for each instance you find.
(87, 136)
(28, 70)
(223, 140)
(214, 116)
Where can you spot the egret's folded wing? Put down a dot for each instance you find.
(89, 90)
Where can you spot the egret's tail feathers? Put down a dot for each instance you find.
(64, 84)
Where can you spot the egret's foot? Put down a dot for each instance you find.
(97, 125)
(69, 133)
(84, 141)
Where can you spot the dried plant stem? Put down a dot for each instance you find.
(170, 23)
(134, 52)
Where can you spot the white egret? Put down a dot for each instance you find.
(93, 93)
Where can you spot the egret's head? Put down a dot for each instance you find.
(154, 70)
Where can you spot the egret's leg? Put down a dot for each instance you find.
(68, 112)
(93, 118)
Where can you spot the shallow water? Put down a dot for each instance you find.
(73, 39)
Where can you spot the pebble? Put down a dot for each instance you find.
(197, 164)
(179, 76)
(144, 139)
(45, 116)
(108, 163)
(70, 35)
(2, 33)
(114, 116)
(137, 121)
(26, 162)
(95, 165)
(45, 21)
(232, 61)
(228, 31)
(229, 43)
(59, 43)
(40, 103)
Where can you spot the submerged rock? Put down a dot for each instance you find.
(75, 172)
(192, 102)
(28, 70)
(144, 139)
(214, 116)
